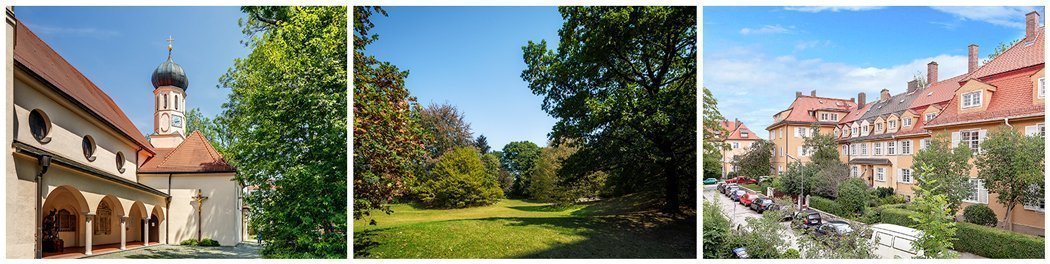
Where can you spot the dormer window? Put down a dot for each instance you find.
(971, 99)
(878, 127)
(855, 133)
(930, 116)
(743, 134)
(1042, 87)
(906, 122)
(893, 124)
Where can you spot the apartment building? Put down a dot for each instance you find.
(1008, 91)
(738, 142)
(793, 125)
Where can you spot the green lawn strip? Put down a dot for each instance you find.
(519, 229)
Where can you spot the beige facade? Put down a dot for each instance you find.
(789, 141)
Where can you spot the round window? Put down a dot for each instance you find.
(39, 125)
(89, 148)
(120, 161)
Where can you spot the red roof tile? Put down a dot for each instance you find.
(937, 95)
(800, 108)
(855, 114)
(1012, 98)
(38, 57)
(1027, 52)
(195, 154)
(735, 128)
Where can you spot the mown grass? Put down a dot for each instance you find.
(628, 227)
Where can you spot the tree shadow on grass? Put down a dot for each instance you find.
(364, 242)
(541, 208)
(624, 236)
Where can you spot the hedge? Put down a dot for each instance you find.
(983, 241)
(826, 205)
(997, 243)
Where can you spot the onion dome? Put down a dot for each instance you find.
(170, 73)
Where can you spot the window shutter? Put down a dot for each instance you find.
(956, 137)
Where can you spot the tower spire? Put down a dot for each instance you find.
(170, 40)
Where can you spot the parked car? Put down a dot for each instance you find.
(894, 241)
(761, 204)
(741, 180)
(710, 181)
(834, 228)
(807, 218)
(786, 214)
(737, 193)
(747, 198)
(740, 253)
(728, 191)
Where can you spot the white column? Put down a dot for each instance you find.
(145, 232)
(88, 233)
(123, 232)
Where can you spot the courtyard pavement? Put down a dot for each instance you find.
(247, 250)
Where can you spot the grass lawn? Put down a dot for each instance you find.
(615, 228)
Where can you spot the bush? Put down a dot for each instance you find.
(716, 232)
(791, 253)
(980, 214)
(208, 242)
(826, 205)
(997, 243)
(459, 179)
(882, 192)
(896, 216)
(188, 242)
(853, 197)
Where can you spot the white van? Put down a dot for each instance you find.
(894, 241)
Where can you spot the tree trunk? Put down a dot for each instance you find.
(1006, 218)
(671, 204)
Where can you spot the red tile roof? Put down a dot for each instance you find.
(193, 155)
(800, 108)
(937, 95)
(855, 114)
(735, 128)
(1014, 89)
(40, 59)
(1027, 52)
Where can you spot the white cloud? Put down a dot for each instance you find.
(816, 9)
(86, 31)
(767, 29)
(804, 45)
(1008, 16)
(770, 83)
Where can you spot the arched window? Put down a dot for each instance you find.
(40, 125)
(67, 221)
(165, 101)
(103, 215)
(120, 161)
(176, 102)
(89, 147)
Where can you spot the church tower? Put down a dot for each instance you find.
(169, 92)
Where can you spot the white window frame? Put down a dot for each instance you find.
(905, 176)
(891, 148)
(972, 138)
(930, 116)
(736, 145)
(878, 148)
(880, 174)
(743, 134)
(845, 150)
(979, 194)
(1035, 207)
(856, 132)
(924, 143)
(878, 127)
(863, 149)
(892, 124)
(1036, 130)
(971, 99)
(905, 147)
(906, 122)
(854, 171)
(1042, 87)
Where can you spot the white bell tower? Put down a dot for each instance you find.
(169, 96)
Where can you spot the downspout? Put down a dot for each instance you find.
(1007, 121)
(44, 162)
(167, 208)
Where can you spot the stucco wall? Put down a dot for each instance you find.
(221, 212)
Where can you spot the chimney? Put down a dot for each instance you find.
(884, 95)
(853, 99)
(860, 100)
(973, 58)
(913, 85)
(931, 73)
(1031, 24)
(813, 93)
(798, 94)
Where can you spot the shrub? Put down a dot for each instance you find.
(208, 242)
(980, 214)
(997, 243)
(882, 192)
(853, 196)
(896, 216)
(826, 205)
(791, 253)
(716, 232)
(459, 179)
(188, 242)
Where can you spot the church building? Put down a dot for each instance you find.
(82, 180)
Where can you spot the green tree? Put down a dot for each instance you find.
(482, 143)
(518, 158)
(763, 236)
(717, 236)
(1011, 166)
(623, 81)
(714, 138)
(933, 216)
(214, 129)
(1003, 46)
(828, 171)
(857, 244)
(947, 170)
(446, 127)
(492, 166)
(459, 179)
(546, 182)
(287, 111)
(756, 161)
(853, 197)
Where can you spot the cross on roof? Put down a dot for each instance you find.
(170, 40)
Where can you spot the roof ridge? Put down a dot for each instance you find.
(822, 97)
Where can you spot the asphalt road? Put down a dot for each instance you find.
(738, 214)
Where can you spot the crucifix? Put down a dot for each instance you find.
(199, 198)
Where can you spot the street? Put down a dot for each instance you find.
(738, 214)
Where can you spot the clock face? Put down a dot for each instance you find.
(176, 121)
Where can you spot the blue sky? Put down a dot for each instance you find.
(753, 66)
(119, 47)
(471, 57)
